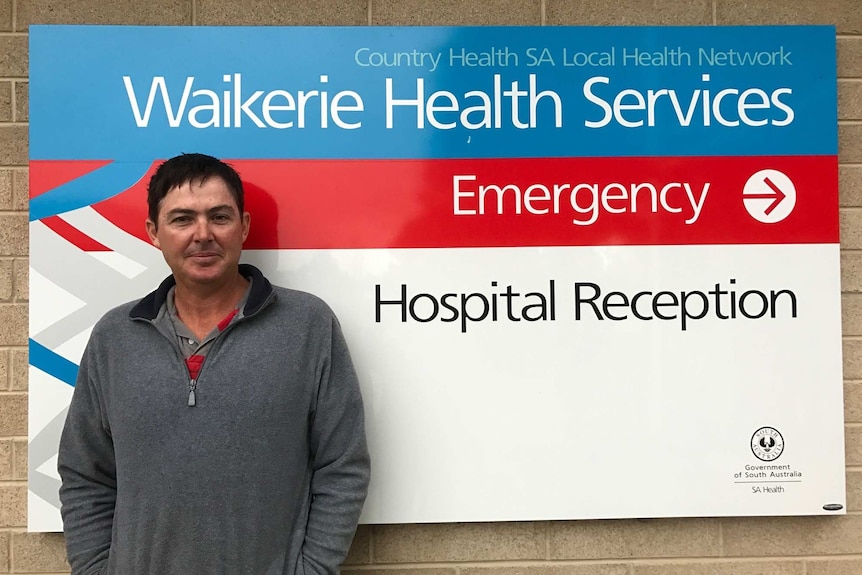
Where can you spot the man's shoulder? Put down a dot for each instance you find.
(116, 317)
(295, 301)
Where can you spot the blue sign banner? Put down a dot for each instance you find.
(432, 92)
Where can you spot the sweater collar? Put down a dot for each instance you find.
(148, 308)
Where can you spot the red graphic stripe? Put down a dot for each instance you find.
(46, 175)
(73, 235)
(318, 204)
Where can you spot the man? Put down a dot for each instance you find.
(216, 425)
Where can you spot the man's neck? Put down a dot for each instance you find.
(201, 308)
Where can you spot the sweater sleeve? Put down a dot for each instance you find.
(87, 468)
(340, 462)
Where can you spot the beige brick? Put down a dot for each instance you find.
(5, 101)
(458, 542)
(7, 471)
(39, 552)
(850, 143)
(851, 228)
(5, 369)
(845, 14)
(13, 318)
(13, 144)
(851, 314)
(6, 187)
(591, 569)
(455, 12)
(279, 12)
(849, 100)
(14, 235)
(723, 568)
(852, 351)
(21, 190)
(851, 271)
(634, 538)
(21, 279)
(853, 446)
(360, 550)
(854, 491)
(849, 57)
(5, 560)
(13, 414)
(13, 506)
(775, 536)
(853, 401)
(19, 459)
(168, 12)
(834, 567)
(4, 552)
(6, 275)
(19, 372)
(629, 12)
(5, 15)
(850, 185)
(22, 101)
(13, 56)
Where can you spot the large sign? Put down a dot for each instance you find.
(584, 272)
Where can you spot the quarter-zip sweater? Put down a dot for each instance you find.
(265, 475)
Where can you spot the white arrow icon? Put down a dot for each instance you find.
(769, 196)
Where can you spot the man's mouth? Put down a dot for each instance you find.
(204, 255)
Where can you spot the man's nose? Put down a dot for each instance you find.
(202, 230)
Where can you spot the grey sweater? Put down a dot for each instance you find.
(265, 475)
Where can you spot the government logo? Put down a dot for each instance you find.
(767, 444)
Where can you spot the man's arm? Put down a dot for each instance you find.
(341, 466)
(87, 468)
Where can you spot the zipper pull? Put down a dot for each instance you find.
(192, 384)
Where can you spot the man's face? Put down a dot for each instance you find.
(200, 232)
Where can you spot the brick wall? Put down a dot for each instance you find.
(763, 546)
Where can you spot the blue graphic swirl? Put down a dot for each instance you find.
(89, 189)
(53, 364)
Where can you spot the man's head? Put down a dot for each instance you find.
(187, 168)
(196, 219)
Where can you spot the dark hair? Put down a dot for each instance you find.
(187, 168)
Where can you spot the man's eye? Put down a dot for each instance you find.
(181, 220)
(221, 218)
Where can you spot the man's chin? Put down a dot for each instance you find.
(204, 261)
(205, 274)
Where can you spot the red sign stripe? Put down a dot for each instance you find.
(73, 235)
(350, 204)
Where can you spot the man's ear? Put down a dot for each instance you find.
(152, 229)
(246, 225)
